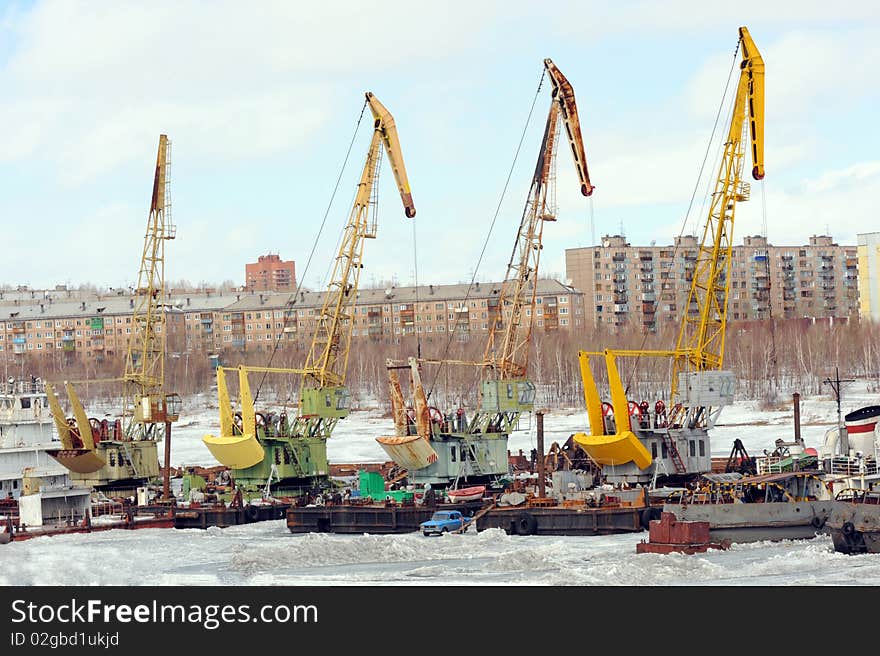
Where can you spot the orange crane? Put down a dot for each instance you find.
(440, 454)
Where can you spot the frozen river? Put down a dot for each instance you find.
(268, 554)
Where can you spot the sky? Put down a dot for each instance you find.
(261, 103)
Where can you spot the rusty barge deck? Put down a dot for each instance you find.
(367, 518)
(223, 516)
(565, 520)
(525, 520)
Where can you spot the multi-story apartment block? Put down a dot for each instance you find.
(90, 329)
(270, 273)
(648, 286)
(206, 322)
(869, 275)
(257, 322)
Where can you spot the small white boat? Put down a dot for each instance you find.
(467, 493)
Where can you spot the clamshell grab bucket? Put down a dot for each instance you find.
(623, 446)
(81, 461)
(80, 456)
(411, 452)
(235, 451)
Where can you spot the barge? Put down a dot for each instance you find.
(555, 519)
(381, 518)
(784, 506)
(222, 516)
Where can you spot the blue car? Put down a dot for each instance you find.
(443, 521)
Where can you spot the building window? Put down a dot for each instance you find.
(692, 447)
(702, 448)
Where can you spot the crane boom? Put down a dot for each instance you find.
(563, 90)
(507, 351)
(704, 319)
(145, 357)
(383, 123)
(147, 410)
(294, 453)
(328, 355)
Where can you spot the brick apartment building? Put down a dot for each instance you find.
(270, 273)
(91, 326)
(649, 285)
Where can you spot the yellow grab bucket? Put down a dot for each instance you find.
(237, 451)
(80, 461)
(616, 449)
(409, 451)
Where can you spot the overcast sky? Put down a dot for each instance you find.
(261, 101)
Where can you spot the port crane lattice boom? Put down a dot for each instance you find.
(702, 333)
(145, 358)
(507, 350)
(698, 387)
(95, 453)
(506, 393)
(328, 356)
(323, 397)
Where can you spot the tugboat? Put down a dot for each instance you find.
(850, 458)
(855, 522)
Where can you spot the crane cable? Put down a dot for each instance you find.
(694, 193)
(491, 226)
(416, 276)
(311, 254)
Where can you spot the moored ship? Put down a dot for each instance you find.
(34, 489)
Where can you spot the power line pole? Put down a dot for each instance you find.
(835, 386)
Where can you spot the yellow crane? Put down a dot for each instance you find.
(122, 455)
(476, 449)
(262, 448)
(678, 438)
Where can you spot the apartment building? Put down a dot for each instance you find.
(89, 329)
(207, 322)
(869, 275)
(270, 273)
(648, 286)
(258, 321)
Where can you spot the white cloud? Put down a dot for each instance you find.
(93, 83)
(90, 87)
